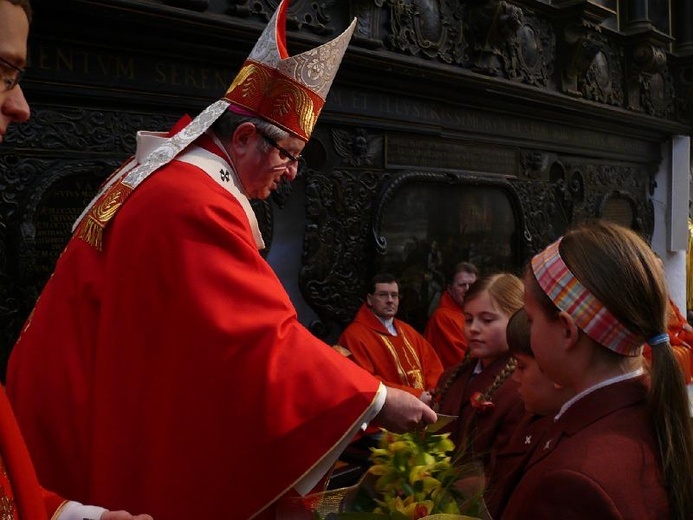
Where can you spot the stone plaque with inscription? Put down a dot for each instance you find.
(430, 152)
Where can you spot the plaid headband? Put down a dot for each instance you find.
(590, 315)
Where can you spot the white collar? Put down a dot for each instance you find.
(389, 324)
(606, 382)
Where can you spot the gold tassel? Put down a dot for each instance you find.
(92, 233)
(92, 229)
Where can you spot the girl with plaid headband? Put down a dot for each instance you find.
(622, 447)
(479, 390)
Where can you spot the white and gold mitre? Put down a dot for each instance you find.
(288, 91)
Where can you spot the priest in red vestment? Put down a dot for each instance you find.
(445, 328)
(389, 348)
(163, 368)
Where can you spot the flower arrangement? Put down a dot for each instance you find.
(413, 476)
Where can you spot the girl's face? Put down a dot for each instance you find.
(546, 336)
(538, 392)
(485, 328)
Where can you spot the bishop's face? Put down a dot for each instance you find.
(262, 172)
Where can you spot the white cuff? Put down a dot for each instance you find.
(77, 511)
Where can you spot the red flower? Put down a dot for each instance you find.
(420, 511)
(480, 403)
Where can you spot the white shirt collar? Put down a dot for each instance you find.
(606, 382)
(389, 324)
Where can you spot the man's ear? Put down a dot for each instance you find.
(571, 332)
(242, 137)
(369, 300)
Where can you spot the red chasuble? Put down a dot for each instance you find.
(168, 373)
(405, 361)
(445, 331)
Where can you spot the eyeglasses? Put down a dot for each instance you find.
(10, 74)
(283, 152)
(386, 295)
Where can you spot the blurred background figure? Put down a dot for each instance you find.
(445, 327)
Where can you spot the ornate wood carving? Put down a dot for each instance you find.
(685, 80)
(531, 53)
(85, 130)
(650, 85)
(582, 43)
(369, 14)
(301, 13)
(543, 223)
(336, 251)
(359, 148)
(629, 181)
(493, 28)
(427, 28)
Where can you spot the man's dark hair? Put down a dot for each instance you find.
(381, 278)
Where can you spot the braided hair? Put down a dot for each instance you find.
(506, 292)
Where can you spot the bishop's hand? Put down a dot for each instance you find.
(403, 412)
